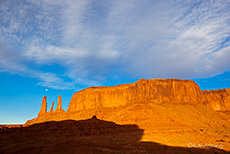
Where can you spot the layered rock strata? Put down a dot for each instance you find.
(155, 91)
(219, 100)
(108, 102)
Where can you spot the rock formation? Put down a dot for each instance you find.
(164, 108)
(59, 105)
(52, 108)
(111, 103)
(43, 110)
(43, 107)
(219, 100)
(156, 91)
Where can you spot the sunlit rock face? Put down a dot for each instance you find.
(52, 108)
(43, 112)
(43, 107)
(59, 105)
(140, 101)
(218, 100)
(155, 91)
(158, 106)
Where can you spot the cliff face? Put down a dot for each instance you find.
(218, 100)
(155, 91)
(114, 102)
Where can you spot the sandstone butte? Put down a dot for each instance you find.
(170, 111)
(104, 101)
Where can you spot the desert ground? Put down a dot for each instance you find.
(149, 116)
(99, 136)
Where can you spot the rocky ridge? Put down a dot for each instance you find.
(164, 108)
(107, 101)
(157, 91)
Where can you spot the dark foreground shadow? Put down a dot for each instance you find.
(85, 136)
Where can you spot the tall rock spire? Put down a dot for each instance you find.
(52, 108)
(59, 104)
(43, 107)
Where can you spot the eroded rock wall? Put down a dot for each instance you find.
(218, 100)
(143, 91)
(113, 101)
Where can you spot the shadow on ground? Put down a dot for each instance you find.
(85, 136)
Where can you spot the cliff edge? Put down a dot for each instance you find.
(108, 101)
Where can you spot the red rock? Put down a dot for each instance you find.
(59, 105)
(94, 136)
(43, 107)
(218, 100)
(106, 102)
(155, 91)
(52, 108)
(157, 106)
(10, 126)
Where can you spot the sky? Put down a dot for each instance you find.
(50, 48)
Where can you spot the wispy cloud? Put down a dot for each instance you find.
(101, 41)
(9, 62)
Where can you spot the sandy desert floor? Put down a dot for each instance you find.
(98, 136)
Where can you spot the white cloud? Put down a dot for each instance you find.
(9, 62)
(98, 41)
(51, 53)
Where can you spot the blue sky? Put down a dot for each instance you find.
(64, 46)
